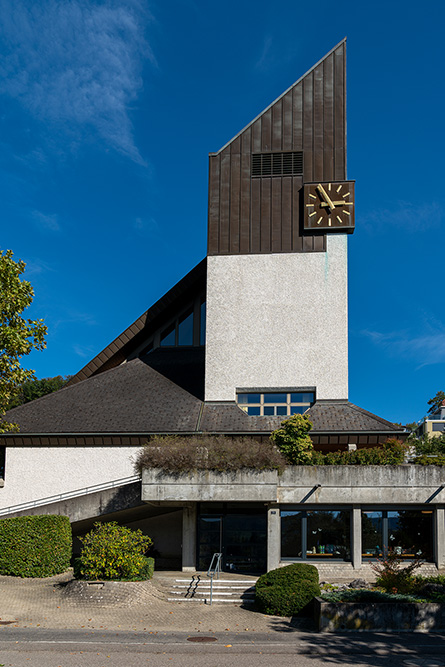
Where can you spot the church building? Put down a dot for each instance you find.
(256, 332)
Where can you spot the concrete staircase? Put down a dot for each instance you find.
(226, 589)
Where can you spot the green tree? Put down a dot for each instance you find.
(293, 439)
(18, 335)
(436, 402)
(32, 389)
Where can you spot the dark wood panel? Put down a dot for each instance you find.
(286, 214)
(266, 131)
(213, 224)
(276, 214)
(256, 136)
(308, 128)
(297, 239)
(245, 192)
(318, 124)
(277, 126)
(224, 204)
(297, 118)
(255, 227)
(235, 195)
(339, 110)
(287, 133)
(328, 120)
(266, 192)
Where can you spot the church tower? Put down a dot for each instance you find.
(280, 209)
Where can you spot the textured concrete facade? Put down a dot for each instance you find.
(278, 320)
(34, 473)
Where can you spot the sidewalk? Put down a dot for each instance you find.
(44, 603)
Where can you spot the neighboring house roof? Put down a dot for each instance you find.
(136, 398)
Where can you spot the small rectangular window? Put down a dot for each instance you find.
(2, 462)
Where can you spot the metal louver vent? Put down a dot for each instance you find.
(277, 164)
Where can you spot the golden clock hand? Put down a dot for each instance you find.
(338, 203)
(325, 196)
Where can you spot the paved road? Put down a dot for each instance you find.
(39, 647)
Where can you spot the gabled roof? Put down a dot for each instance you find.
(132, 398)
(135, 399)
(118, 350)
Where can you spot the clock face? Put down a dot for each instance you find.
(329, 206)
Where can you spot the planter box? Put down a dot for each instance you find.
(206, 485)
(379, 616)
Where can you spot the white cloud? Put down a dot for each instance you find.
(262, 61)
(425, 349)
(46, 221)
(76, 64)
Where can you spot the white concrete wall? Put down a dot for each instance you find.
(278, 320)
(32, 473)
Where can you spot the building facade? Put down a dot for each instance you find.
(256, 332)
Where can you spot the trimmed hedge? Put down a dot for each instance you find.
(287, 590)
(35, 546)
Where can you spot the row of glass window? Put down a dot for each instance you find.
(275, 403)
(326, 534)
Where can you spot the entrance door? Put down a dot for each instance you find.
(241, 538)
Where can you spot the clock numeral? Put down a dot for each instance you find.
(310, 204)
(313, 213)
(319, 220)
(339, 188)
(339, 219)
(313, 196)
(347, 212)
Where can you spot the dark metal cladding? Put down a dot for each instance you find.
(251, 214)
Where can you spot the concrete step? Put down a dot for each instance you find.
(236, 591)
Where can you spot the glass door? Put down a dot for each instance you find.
(210, 539)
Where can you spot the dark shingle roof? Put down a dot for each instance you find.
(345, 416)
(132, 398)
(135, 398)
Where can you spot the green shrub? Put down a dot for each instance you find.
(35, 546)
(394, 574)
(391, 453)
(287, 590)
(111, 551)
(293, 440)
(425, 460)
(366, 595)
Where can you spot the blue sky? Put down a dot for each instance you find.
(109, 110)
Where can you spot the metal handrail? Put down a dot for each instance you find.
(70, 494)
(214, 568)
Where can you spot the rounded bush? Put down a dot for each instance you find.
(287, 590)
(111, 551)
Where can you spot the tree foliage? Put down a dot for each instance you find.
(32, 389)
(111, 551)
(436, 402)
(18, 335)
(293, 439)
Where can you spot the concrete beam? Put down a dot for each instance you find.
(273, 537)
(189, 521)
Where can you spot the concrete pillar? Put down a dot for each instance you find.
(273, 537)
(189, 519)
(356, 537)
(439, 535)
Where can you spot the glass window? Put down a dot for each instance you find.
(372, 534)
(252, 410)
(291, 534)
(275, 398)
(409, 533)
(316, 534)
(277, 403)
(438, 427)
(168, 336)
(185, 329)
